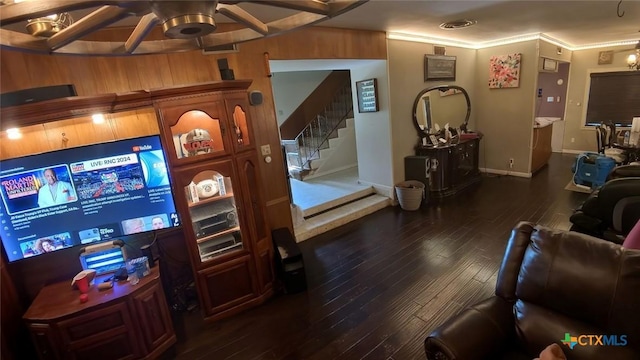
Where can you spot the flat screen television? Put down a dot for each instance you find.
(84, 195)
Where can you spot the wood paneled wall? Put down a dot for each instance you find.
(98, 75)
(79, 131)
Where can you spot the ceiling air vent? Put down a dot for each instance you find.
(457, 24)
(220, 49)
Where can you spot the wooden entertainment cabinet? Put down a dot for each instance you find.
(231, 259)
(124, 322)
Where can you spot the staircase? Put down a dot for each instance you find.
(309, 153)
(338, 154)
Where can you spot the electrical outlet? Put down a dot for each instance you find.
(511, 163)
(265, 150)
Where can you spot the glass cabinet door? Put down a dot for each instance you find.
(195, 131)
(240, 127)
(213, 213)
(237, 108)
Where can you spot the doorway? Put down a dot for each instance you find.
(552, 102)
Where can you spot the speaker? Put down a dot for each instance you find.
(223, 64)
(289, 261)
(255, 97)
(227, 74)
(34, 95)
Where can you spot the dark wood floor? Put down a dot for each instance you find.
(378, 286)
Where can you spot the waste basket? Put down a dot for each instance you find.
(410, 194)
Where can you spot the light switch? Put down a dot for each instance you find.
(549, 98)
(557, 98)
(265, 149)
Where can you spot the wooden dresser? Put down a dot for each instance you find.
(125, 322)
(447, 169)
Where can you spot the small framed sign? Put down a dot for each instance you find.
(549, 64)
(367, 91)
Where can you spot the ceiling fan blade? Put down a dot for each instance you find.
(96, 20)
(238, 14)
(316, 7)
(275, 27)
(145, 25)
(337, 8)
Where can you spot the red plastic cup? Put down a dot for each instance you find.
(83, 284)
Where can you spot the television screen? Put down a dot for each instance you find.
(84, 195)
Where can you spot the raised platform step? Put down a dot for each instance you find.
(311, 211)
(339, 216)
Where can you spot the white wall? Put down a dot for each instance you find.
(291, 88)
(373, 131)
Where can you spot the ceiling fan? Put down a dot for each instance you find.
(633, 60)
(187, 25)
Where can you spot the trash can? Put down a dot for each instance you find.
(410, 194)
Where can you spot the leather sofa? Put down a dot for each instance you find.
(612, 211)
(552, 285)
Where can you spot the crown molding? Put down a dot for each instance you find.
(425, 38)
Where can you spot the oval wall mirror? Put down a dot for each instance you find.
(443, 104)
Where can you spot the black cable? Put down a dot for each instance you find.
(619, 14)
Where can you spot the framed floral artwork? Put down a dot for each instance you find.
(504, 71)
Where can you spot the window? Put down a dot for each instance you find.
(615, 97)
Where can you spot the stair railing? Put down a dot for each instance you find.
(315, 136)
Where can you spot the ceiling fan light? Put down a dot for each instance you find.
(185, 19)
(189, 26)
(49, 25)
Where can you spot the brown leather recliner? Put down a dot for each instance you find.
(551, 283)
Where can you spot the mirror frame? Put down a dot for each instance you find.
(423, 133)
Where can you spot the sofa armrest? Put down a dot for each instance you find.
(475, 333)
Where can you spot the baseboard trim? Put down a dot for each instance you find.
(505, 172)
(380, 189)
(570, 151)
(335, 170)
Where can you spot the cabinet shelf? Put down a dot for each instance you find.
(211, 255)
(222, 233)
(210, 200)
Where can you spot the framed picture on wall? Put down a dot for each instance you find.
(367, 95)
(439, 67)
(549, 64)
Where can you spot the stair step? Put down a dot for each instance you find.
(325, 153)
(316, 163)
(339, 216)
(338, 202)
(350, 122)
(344, 131)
